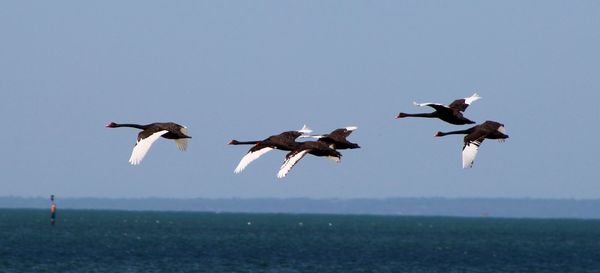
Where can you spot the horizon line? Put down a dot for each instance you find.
(304, 197)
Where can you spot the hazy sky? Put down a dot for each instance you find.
(250, 69)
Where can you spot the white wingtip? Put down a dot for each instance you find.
(305, 130)
(181, 144)
(134, 162)
(468, 165)
(351, 128)
(337, 159)
(426, 104)
(472, 98)
(311, 136)
(502, 129)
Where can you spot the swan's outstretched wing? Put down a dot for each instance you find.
(470, 152)
(289, 162)
(142, 146)
(182, 143)
(436, 106)
(431, 104)
(251, 156)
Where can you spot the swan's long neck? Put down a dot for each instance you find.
(142, 127)
(422, 115)
(460, 132)
(235, 142)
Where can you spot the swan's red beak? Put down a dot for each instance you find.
(232, 142)
(109, 125)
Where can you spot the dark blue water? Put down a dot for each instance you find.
(117, 241)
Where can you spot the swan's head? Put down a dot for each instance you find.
(111, 125)
(439, 134)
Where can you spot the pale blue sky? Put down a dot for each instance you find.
(250, 69)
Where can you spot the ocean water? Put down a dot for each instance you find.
(122, 241)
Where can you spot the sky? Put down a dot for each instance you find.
(251, 69)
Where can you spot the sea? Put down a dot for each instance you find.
(149, 241)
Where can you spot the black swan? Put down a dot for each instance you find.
(451, 113)
(285, 141)
(475, 136)
(150, 133)
(316, 148)
(337, 139)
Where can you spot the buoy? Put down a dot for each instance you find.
(52, 210)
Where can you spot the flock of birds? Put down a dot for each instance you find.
(475, 135)
(325, 145)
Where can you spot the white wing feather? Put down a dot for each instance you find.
(142, 146)
(289, 163)
(472, 98)
(335, 158)
(427, 104)
(249, 157)
(501, 129)
(469, 153)
(312, 136)
(305, 130)
(182, 143)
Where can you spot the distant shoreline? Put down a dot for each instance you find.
(460, 207)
